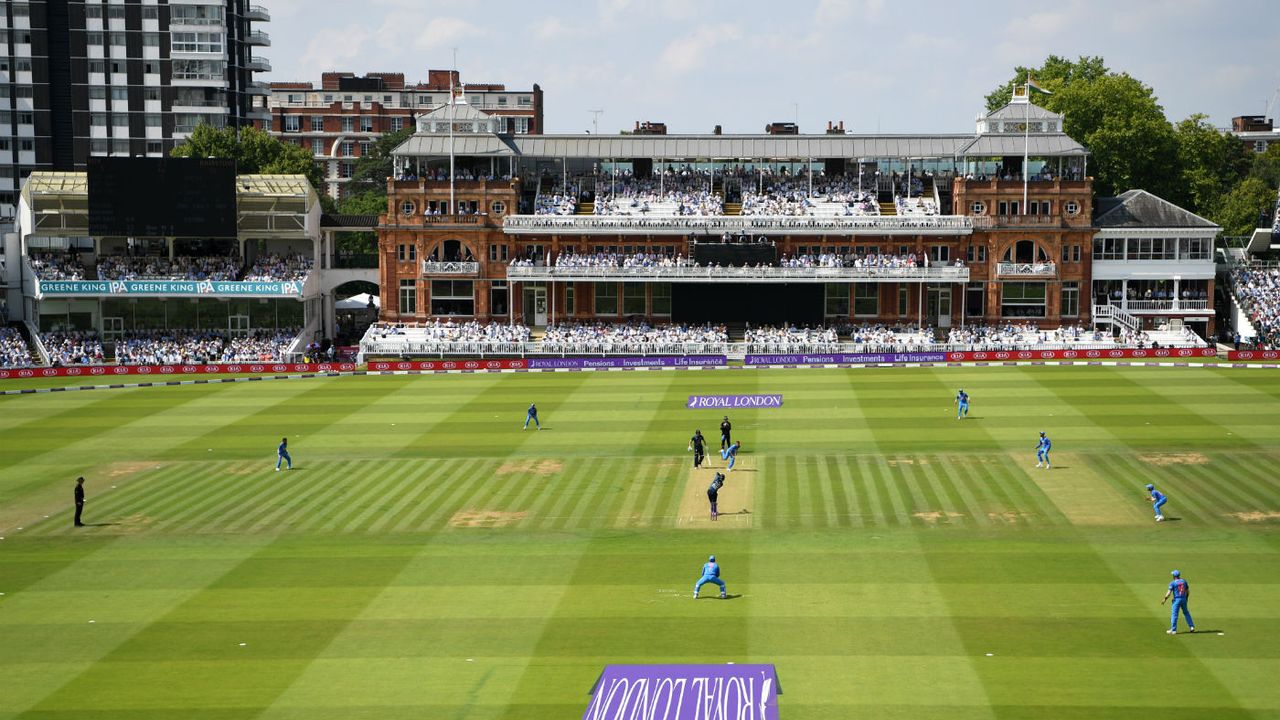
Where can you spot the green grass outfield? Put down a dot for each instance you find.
(427, 559)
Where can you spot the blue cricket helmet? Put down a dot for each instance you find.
(1151, 487)
(1175, 573)
(713, 559)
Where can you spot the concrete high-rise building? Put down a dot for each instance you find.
(120, 77)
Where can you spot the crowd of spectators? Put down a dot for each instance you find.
(639, 337)
(562, 201)
(444, 332)
(125, 267)
(57, 266)
(1258, 292)
(279, 268)
(677, 192)
(200, 347)
(14, 352)
(791, 195)
(617, 260)
(73, 347)
(918, 205)
(880, 337)
(770, 339)
(1018, 335)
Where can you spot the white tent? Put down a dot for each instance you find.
(358, 302)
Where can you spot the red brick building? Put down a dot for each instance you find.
(339, 120)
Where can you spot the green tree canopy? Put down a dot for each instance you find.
(1241, 207)
(254, 151)
(1052, 75)
(1212, 162)
(372, 169)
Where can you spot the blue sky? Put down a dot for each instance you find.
(879, 65)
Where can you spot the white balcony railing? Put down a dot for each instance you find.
(430, 267)
(752, 224)
(1177, 305)
(1027, 269)
(948, 274)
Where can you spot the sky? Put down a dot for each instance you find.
(892, 66)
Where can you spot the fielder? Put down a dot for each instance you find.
(282, 455)
(1181, 593)
(1042, 451)
(710, 574)
(1158, 500)
(962, 405)
(731, 454)
(532, 415)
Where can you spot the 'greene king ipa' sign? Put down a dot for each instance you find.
(685, 692)
(729, 402)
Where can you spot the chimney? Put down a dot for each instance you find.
(717, 131)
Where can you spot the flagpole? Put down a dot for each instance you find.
(1026, 140)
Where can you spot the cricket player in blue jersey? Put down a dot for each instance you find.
(1042, 451)
(962, 404)
(532, 415)
(282, 455)
(710, 574)
(1181, 593)
(1158, 500)
(731, 454)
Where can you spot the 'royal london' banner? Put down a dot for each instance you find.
(685, 692)
(630, 362)
(100, 371)
(139, 288)
(730, 402)
(845, 358)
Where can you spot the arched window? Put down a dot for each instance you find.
(1025, 251)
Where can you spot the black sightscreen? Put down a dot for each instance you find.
(162, 197)
(758, 304)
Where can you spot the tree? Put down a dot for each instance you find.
(1266, 165)
(372, 202)
(1239, 210)
(1053, 75)
(1212, 161)
(254, 151)
(373, 168)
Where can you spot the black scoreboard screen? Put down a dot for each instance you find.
(162, 197)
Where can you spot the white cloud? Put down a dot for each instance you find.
(444, 32)
(689, 53)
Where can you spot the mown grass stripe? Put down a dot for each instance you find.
(1192, 502)
(454, 483)
(421, 481)
(568, 489)
(394, 485)
(949, 473)
(448, 472)
(216, 503)
(313, 494)
(866, 501)
(839, 509)
(894, 511)
(1249, 484)
(469, 481)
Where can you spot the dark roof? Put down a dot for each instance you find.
(1141, 209)
(348, 221)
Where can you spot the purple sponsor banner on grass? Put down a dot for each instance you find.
(621, 362)
(685, 692)
(700, 402)
(844, 358)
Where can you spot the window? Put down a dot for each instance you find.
(1022, 299)
(348, 124)
(26, 145)
(1071, 207)
(120, 120)
(1071, 253)
(497, 252)
(939, 254)
(149, 12)
(366, 124)
(633, 299)
(115, 12)
(408, 297)
(1195, 248)
(93, 38)
(348, 149)
(866, 299)
(97, 66)
(206, 42)
(93, 11)
(346, 169)
(397, 124)
(974, 300)
(98, 120)
(452, 297)
(978, 207)
(606, 299)
(155, 147)
(150, 39)
(317, 146)
(570, 299)
(1070, 299)
(976, 253)
(406, 208)
(904, 300)
(407, 252)
(317, 123)
(365, 149)
(292, 123)
(498, 208)
(26, 118)
(525, 100)
(23, 91)
(116, 38)
(661, 298)
(498, 295)
(424, 99)
(837, 304)
(152, 120)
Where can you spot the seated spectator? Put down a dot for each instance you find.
(14, 352)
(57, 265)
(73, 348)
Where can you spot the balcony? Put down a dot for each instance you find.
(430, 267)
(257, 88)
(257, 37)
(258, 64)
(985, 222)
(1030, 270)
(258, 13)
(948, 274)
(1163, 307)
(753, 224)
